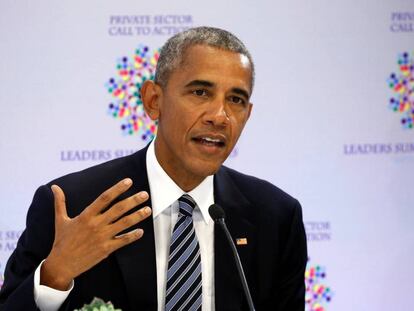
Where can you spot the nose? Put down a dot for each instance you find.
(217, 113)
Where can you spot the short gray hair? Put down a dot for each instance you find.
(171, 54)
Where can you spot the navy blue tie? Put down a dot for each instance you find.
(184, 263)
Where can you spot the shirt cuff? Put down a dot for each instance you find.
(47, 298)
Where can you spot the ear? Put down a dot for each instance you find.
(250, 111)
(151, 95)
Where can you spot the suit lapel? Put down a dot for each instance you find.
(137, 260)
(239, 219)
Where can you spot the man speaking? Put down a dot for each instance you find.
(136, 230)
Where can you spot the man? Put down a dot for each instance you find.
(98, 237)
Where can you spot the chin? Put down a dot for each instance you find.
(206, 168)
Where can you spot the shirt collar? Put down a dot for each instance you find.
(164, 191)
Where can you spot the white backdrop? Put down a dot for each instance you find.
(321, 128)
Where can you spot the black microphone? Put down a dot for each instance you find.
(217, 214)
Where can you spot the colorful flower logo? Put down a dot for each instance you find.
(317, 293)
(126, 104)
(402, 85)
(1, 278)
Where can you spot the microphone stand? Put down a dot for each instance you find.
(246, 290)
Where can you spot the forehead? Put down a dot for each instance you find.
(207, 62)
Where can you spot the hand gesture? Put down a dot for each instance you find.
(83, 241)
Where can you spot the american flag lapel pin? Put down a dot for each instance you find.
(241, 241)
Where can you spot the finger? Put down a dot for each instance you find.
(108, 196)
(120, 208)
(130, 220)
(137, 233)
(60, 202)
(127, 238)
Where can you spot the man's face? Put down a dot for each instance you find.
(202, 111)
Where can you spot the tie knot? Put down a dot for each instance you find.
(187, 205)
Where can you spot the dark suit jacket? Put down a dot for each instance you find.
(274, 258)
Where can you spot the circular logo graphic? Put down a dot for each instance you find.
(1, 277)
(317, 293)
(402, 85)
(124, 88)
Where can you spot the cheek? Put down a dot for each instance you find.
(171, 121)
(179, 129)
(238, 124)
(189, 119)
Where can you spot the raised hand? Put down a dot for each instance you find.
(83, 241)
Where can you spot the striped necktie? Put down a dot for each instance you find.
(184, 262)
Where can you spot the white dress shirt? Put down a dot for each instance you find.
(164, 194)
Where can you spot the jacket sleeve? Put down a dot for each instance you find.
(291, 292)
(33, 246)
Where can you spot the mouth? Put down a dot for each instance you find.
(210, 141)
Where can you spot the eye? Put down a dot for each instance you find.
(237, 100)
(200, 92)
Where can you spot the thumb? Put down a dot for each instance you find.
(60, 203)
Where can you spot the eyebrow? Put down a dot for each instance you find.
(241, 92)
(199, 83)
(206, 83)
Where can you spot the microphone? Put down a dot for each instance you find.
(217, 214)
